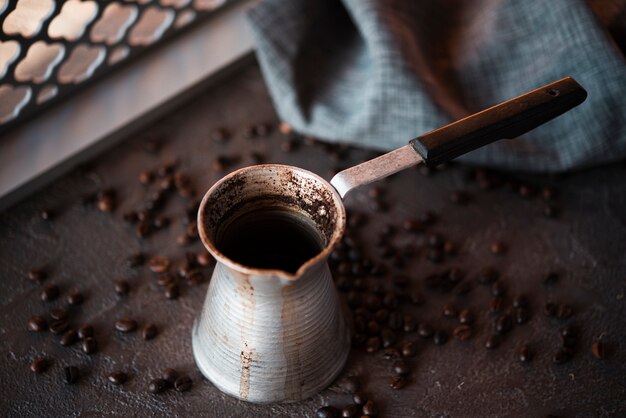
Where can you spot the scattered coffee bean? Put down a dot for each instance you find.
(85, 331)
(118, 378)
(598, 350)
(351, 411)
(158, 385)
(37, 275)
(504, 323)
(58, 313)
(75, 299)
(359, 398)
(425, 331)
(551, 210)
(492, 342)
(351, 384)
(37, 324)
(149, 331)
(370, 409)
(39, 365)
(564, 311)
(126, 325)
(449, 311)
(372, 344)
(69, 338)
(521, 315)
(466, 317)
(440, 337)
(183, 384)
(47, 214)
(497, 248)
(401, 368)
(89, 345)
(146, 177)
(121, 286)
(525, 354)
(498, 288)
(50, 293)
(105, 200)
(520, 301)
(58, 326)
(159, 264)
(462, 332)
(397, 382)
(496, 305)
(487, 276)
(205, 259)
(409, 349)
(172, 291)
(391, 354)
(70, 374)
(327, 412)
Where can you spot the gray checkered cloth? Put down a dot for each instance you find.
(378, 73)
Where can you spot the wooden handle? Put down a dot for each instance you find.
(506, 120)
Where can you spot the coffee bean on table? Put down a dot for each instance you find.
(183, 383)
(327, 412)
(401, 368)
(205, 259)
(70, 374)
(75, 299)
(487, 275)
(351, 411)
(525, 354)
(359, 398)
(149, 331)
(409, 349)
(146, 177)
(58, 326)
(50, 293)
(372, 344)
(462, 332)
(170, 375)
(521, 315)
(89, 345)
(520, 301)
(85, 331)
(564, 311)
(159, 264)
(121, 286)
(69, 338)
(498, 288)
(172, 291)
(126, 325)
(37, 324)
(493, 341)
(449, 311)
(598, 350)
(39, 365)
(118, 378)
(397, 382)
(370, 409)
(351, 384)
(504, 323)
(466, 317)
(440, 337)
(424, 331)
(391, 354)
(37, 275)
(158, 385)
(58, 313)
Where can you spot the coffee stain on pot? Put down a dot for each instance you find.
(246, 364)
(246, 291)
(292, 342)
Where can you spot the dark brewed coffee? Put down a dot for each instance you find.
(270, 239)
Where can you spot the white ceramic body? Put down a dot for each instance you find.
(267, 335)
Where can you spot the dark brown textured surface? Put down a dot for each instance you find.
(84, 249)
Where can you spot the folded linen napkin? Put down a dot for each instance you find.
(380, 72)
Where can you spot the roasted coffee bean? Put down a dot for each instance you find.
(564, 311)
(435, 241)
(159, 264)
(416, 298)
(69, 338)
(70, 374)
(496, 305)
(598, 350)
(351, 411)
(387, 338)
(121, 286)
(58, 326)
(75, 299)
(37, 275)
(520, 301)
(466, 317)
(492, 342)
(397, 382)
(409, 323)
(391, 354)
(370, 409)
(550, 309)
(58, 313)
(165, 279)
(47, 214)
(551, 279)
(372, 344)
(106, 200)
(136, 259)
(143, 229)
(504, 323)
(449, 311)
(497, 248)
(39, 365)
(562, 355)
(521, 315)
(286, 129)
(525, 354)
(569, 331)
(401, 368)
(118, 378)
(327, 412)
(172, 291)
(359, 398)
(85, 331)
(425, 331)
(409, 349)
(205, 259)
(525, 190)
(146, 177)
(551, 210)
(462, 332)
(351, 384)
(161, 222)
(50, 293)
(170, 375)
(183, 240)
(487, 276)
(149, 331)
(498, 288)
(183, 383)
(126, 325)
(412, 225)
(37, 324)
(89, 345)
(449, 247)
(381, 316)
(158, 385)
(440, 337)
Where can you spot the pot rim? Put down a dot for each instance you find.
(321, 256)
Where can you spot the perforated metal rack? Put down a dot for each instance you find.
(50, 49)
